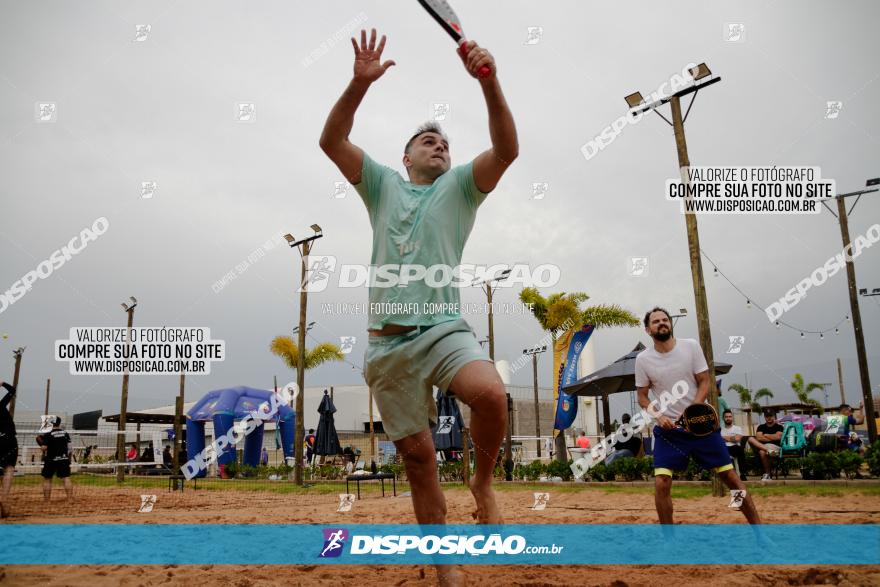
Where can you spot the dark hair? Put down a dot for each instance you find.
(656, 309)
(311, 430)
(430, 126)
(58, 420)
(625, 418)
(768, 413)
(845, 406)
(727, 411)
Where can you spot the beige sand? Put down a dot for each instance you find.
(589, 506)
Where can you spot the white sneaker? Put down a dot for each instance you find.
(766, 477)
(737, 496)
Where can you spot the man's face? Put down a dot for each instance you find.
(659, 326)
(770, 419)
(728, 419)
(428, 155)
(846, 411)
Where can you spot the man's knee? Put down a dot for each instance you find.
(663, 484)
(488, 397)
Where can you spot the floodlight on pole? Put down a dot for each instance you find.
(842, 216)
(702, 78)
(123, 402)
(534, 352)
(304, 246)
(486, 286)
(635, 99)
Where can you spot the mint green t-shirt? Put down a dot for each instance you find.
(417, 226)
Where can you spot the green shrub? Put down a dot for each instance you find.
(820, 466)
(559, 469)
(396, 469)
(692, 472)
(601, 472)
(872, 457)
(451, 471)
(849, 462)
(631, 469)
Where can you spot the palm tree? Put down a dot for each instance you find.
(562, 311)
(803, 390)
(284, 347)
(747, 400)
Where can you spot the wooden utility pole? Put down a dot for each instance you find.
(123, 407)
(537, 405)
(534, 352)
(840, 380)
(178, 428)
(48, 383)
(372, 432)
(701, 302)
(466, 455)
(17, 353)
(299, 434)
(508, 443)
(856, 314)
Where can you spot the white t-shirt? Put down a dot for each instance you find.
(732, 430)
(661, 371)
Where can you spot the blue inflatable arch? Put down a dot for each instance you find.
(224, 407)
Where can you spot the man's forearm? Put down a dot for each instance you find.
(341, 118)
(702, 392)
(502, 129)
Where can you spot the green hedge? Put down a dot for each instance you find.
(872, 457)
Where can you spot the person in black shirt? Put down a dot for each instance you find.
(768, 434)
(56, 459)
(8, 448)
(625, 448)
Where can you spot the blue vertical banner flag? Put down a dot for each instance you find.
(566, 353)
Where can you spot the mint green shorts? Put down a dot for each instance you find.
(402, 370)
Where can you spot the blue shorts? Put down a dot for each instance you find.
(673, 447)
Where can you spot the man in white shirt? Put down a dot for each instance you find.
(733, 438)
(670, 364)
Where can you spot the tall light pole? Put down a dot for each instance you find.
(123, 407)
(486, 286)
(17, 353)
(535, 352)
(178, 428)
(637, 103)
(843, 218)
(304, 247)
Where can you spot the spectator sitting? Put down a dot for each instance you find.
(769, 434)
(851, 420)
(854, 443)
(733, 438)
(625, 448)
(582, 440)
(167, 458)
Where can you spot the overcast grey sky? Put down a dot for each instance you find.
(163, 110)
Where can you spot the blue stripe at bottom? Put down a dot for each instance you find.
(591, 544)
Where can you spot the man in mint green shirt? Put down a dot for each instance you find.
(420, 227)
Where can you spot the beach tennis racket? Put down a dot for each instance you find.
(446, 17)
(699, 419)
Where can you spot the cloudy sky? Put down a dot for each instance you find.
(162, 107)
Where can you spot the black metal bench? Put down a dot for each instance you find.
(372, 477)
